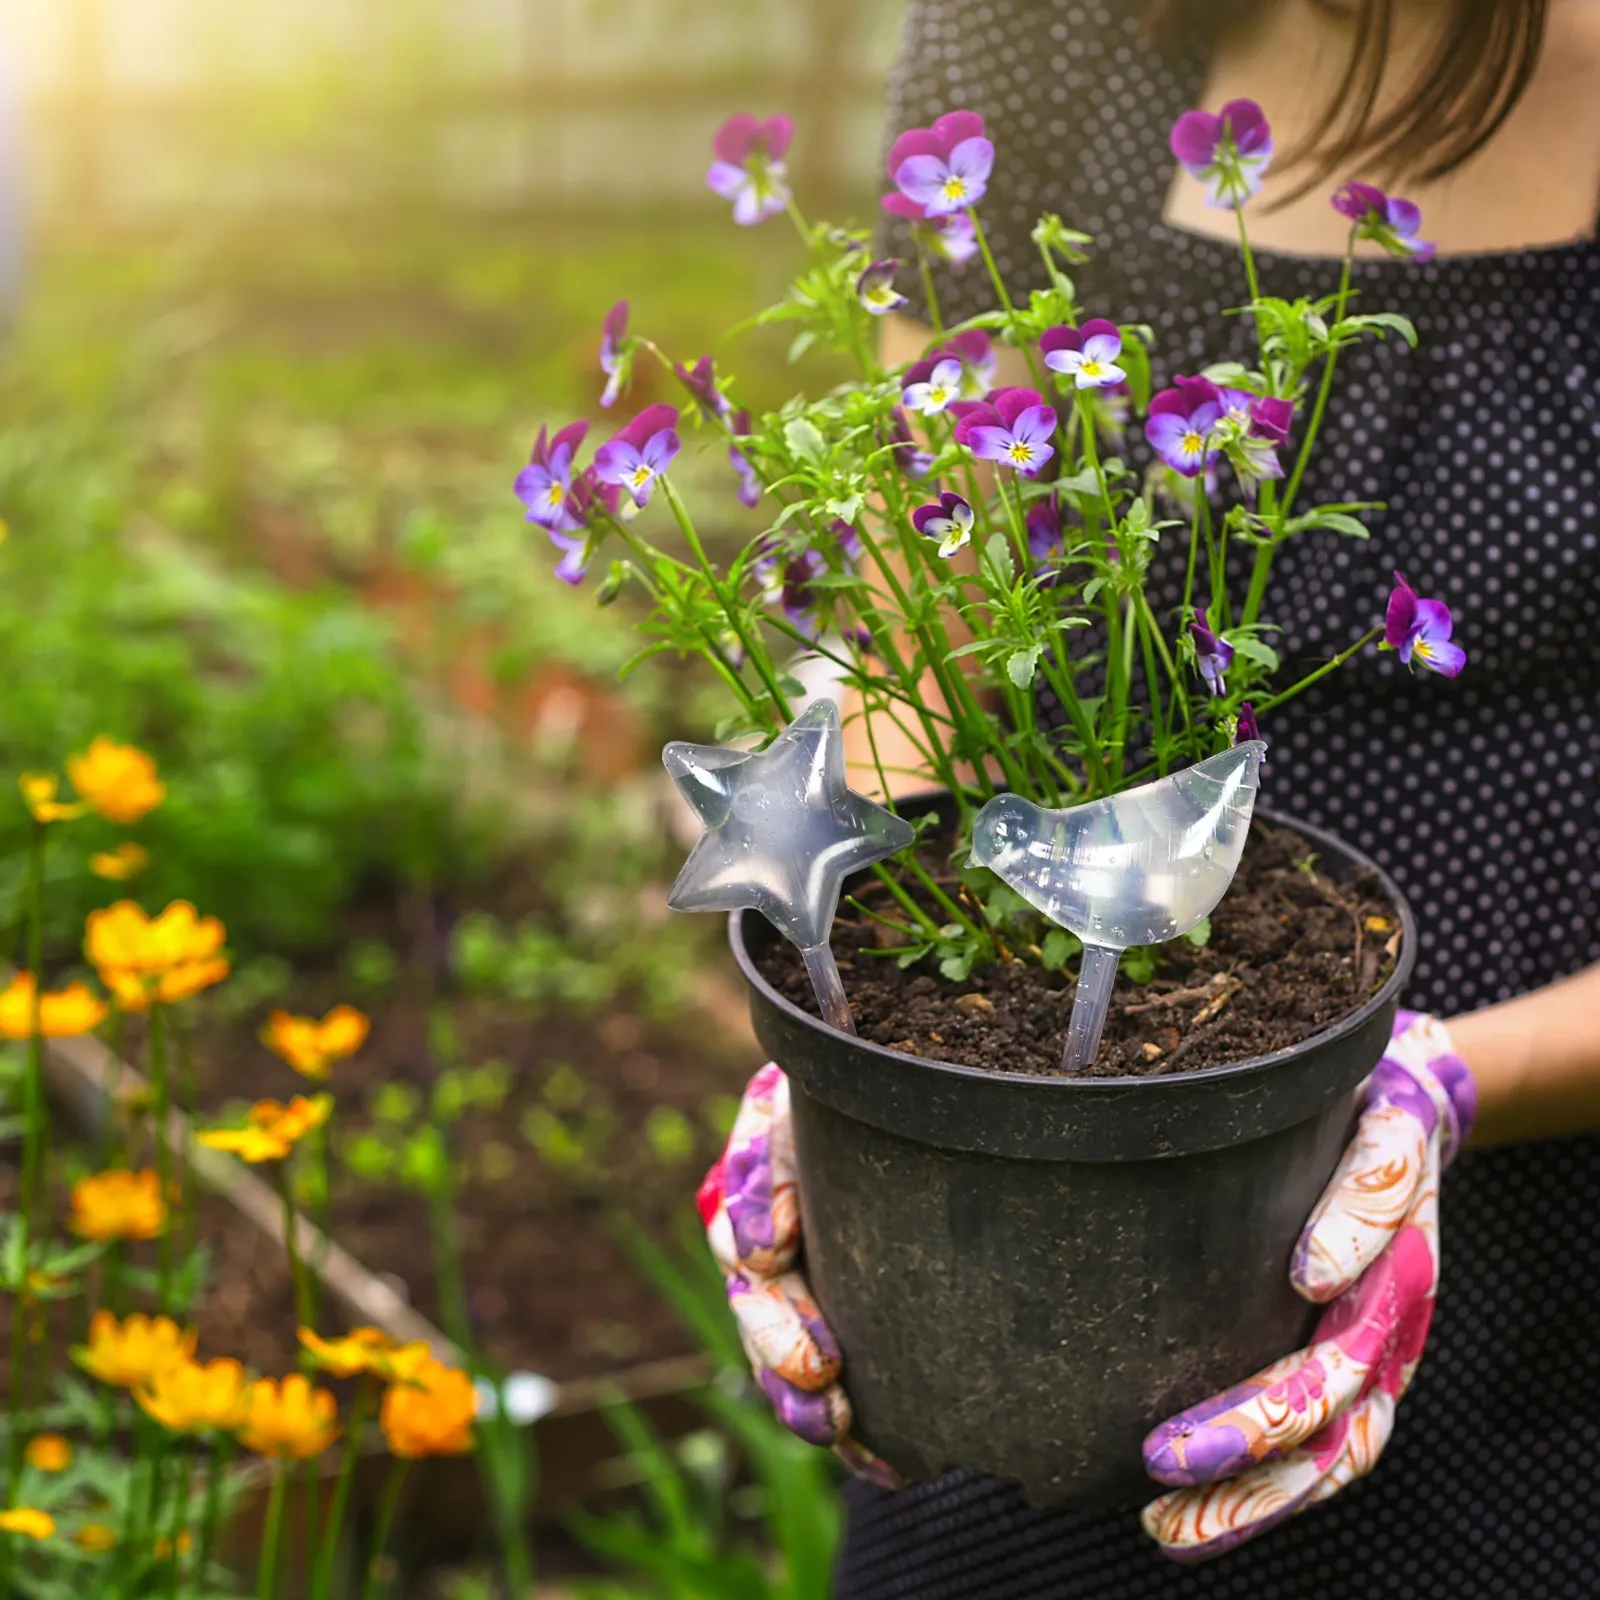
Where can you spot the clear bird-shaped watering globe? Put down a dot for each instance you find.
(1139, 867)
(782, 830)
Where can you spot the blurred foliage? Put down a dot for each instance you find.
(260, 523)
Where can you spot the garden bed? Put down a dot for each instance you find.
(1289, 952)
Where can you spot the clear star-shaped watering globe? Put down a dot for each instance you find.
(1138, 867)
(782, 832)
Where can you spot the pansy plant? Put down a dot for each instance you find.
(952, 546)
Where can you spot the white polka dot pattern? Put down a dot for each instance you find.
(1482, 796)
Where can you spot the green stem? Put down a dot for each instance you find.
(930, 928)
(380, 1535)
(179, 1524)
(1255, 286)
(211, 1514)
(160, 1083)
(1321, 672)
(34, 1136)
(360, 1413)
(1261, 568)
(272, 1535)
(946, 904)
(1012, 320)
(755, 651)
(935, 320)
(291, 1244)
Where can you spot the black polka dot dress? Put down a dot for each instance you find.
(1480, 795)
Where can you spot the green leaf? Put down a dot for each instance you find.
(997, 552)
(1021, 665)
(1253, 649)
(1339, 522)
(1380, 321)
(1059, 947)
(801, 343)
(803, 438)
(1200, 933)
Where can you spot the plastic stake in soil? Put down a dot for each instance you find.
(781, 832)
(1139, 867)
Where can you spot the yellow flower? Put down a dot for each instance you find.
(130, 1353)
(312, 1047)
(96, 1538)
(25, 1520)
(364, 1350)
(194, 1395)
(48, 1452)
(62, 1012)
(39, 795)
(289, 1420)
(119, 1205)
(142, 958)
(163, 1545)
(429, 1412)
(273, 1130)
(128, 860)
(117, 780)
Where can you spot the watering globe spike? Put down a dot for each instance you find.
(1135, 868)
(781, 833)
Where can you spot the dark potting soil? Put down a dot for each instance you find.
(1290, 952)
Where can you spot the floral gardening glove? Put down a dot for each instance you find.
(1306, 1426)
(751, 1211)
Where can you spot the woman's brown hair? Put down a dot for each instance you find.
(1483, 58)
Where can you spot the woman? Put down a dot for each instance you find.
(1481, 796)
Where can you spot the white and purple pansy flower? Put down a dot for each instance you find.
(1227, 150)
(749, 481)
(1182, 424)
(876, 291)
(949, 237)
(947, 521)
(979, 363)
(635, 458)
(544, 486)
(1385, 219)
(701, 382)
(800, 599)
(589, 496)
(1259, 424)
(613, 356)
(932, 384)
(846, 540)
(1420, 631)
(1212, 655)
(1087, 355)
(944, 168)
(749, 168)
(1012, 427)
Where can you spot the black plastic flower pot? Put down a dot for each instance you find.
(1026, 1274)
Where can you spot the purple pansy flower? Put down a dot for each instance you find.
(975, 351)
(701, 381)
(912, 460)
(1044, 524)
(931, 385)
(950, 237)
(1182, 422)
(588, 497)
(876, 291)
(847, 540)
(749, 168)
(946, 167)
(948, 520)
(1420, 630)
(1013, 427)
(799, 597)
(749, 482)
(1227, 150)
(1386, 219)
(612, 334)
(1246, 729)
(1087, 355)
(1212, 655)
(544, 486)
(634, 458)
(1260, 424)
